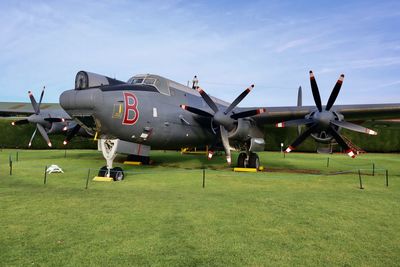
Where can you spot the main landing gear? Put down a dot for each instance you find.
(248, 160)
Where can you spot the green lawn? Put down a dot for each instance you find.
(297, 212)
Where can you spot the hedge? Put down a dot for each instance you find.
(19, 136)
(387, 140)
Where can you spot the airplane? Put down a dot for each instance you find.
(48, 118)
(152, 112)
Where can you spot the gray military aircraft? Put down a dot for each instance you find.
(150, 111)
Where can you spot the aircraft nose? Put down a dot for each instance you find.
(81, 101)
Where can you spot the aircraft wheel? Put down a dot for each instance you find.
(254, 161)
(102, 171)
(118, 174)
(241, 162)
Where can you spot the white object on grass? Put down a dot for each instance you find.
(53, 169)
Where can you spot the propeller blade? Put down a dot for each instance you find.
(51, 120)
(19, 122)
(299, 97)
(41, 97)
(238, 99)
(248, 113)
(341, 142)
(293, 123)
(334, 93)
(34, 103)
(208, 99)
(197, 111)
(301, 138)
(315, 92)
(354, 127)
(210, 154)
(43, 133)
(33, 136)
(225, 142)
(299, 104)
(71, 134)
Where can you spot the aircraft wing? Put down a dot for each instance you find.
(8, 109)
(364, 112)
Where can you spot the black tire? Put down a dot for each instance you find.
(117, 174)
(102, 171)
(254, 161)
(145, 160)
(241, 160)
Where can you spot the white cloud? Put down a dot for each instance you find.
(292, 44)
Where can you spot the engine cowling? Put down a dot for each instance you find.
(321, 135)
(241, 131)
(56, 127)
(247, 131)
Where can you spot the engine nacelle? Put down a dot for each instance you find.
(247, 131)
(56, 127)
(322, 135)
(242, 130)
(257, 144)
(85, 80)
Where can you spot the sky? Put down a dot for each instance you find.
(227, 44)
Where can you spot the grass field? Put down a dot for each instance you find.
(297, 212)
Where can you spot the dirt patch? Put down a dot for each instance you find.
(285, 170)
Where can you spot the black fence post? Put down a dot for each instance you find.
(87, 179)
(16, 157)
(359, 176)
(373, 169)
(204, 177)
(387, 178)
(327, 163)
(10, 166)
(45, 175)
(65, 153)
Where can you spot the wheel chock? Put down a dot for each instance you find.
(102, 179)
(244, 169)
(135, 163)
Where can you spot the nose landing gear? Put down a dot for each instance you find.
(109, 149)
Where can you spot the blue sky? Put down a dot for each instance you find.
(228, 44)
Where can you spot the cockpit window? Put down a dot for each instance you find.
(159, 83)
(136, 80)
(150, 81)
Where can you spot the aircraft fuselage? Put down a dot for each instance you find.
(139, 114)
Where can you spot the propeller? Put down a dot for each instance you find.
(20, 122)
(39, 119)
(323, 120)
(51, 120)
(71, 134)
(224, 118)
